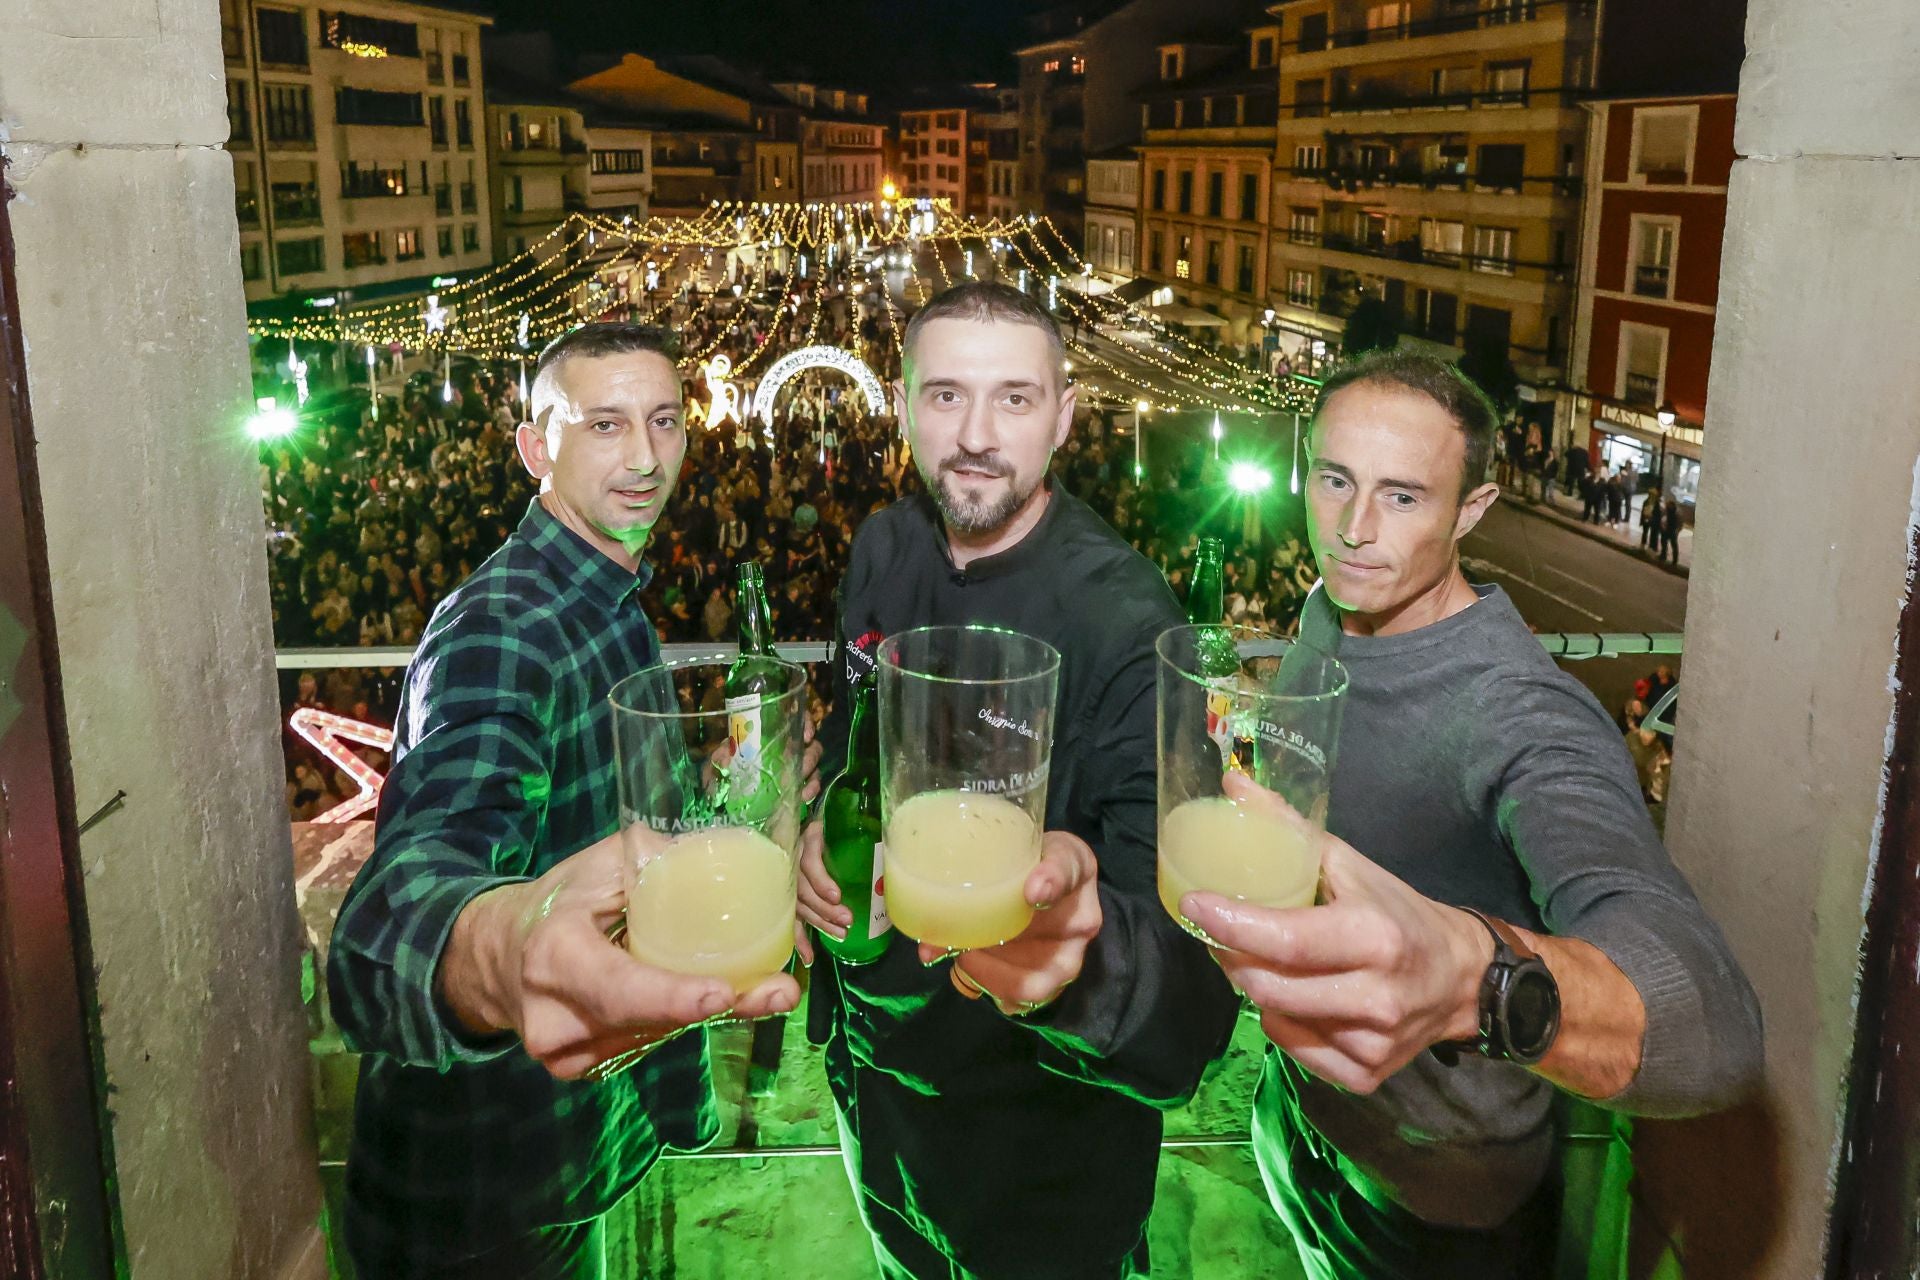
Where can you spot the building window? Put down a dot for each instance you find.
(1387, 19)
(372, 107)
(1263, 51)
(470, 238)
(1643, 365)
(430, 54)
(1300, 288)
(283, 37)
(1502, 166)
(1125, 261)
(288, 109)
(1501, 12)
(369, 37)
(1076, 65)
(1243, 273)
(233, 34)
(301, 257)
(239, 119)
(1308, 161)
(463, 122)
(1159, 189)
(1303, 226)
(437, 120)
(1309, 99)
(1186, 191)
(1663, 144)
(246, 194)
(1156, 252)
(1216, 194)
(1445, 240)
(1050, 65)
(1507, 83)
(1438, 315)
(1183, 259)
(1313, 32)
(252, 260)
(358, 181)
(295, 188)
(457, 47)
(1249, 197)
(443, 240)
(1171, 63)
(1213, 262)
(407, 245)
(1452, 87)
(361, 249)
(1493, 250)
(1653, 244)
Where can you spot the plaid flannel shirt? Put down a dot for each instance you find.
(503, 766)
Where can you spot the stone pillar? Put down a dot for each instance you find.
(112, 115)
(1808, 495)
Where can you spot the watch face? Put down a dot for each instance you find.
(1533, 1013)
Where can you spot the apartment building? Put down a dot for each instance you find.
(1657, 171)
(1206, 160)
(538, 167)
(355, 132)
(1428, 154)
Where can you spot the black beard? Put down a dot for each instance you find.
(966, 515)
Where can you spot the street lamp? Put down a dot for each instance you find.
(1140, 408)
(270, 422)
(1666, 417)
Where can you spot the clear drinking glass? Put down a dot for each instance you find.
(966, 737)
(1235, 698)
(709, 831)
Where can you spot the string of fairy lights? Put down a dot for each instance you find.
(591, 265)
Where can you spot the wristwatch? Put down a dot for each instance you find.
(1519, 1003)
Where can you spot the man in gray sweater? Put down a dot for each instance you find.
(1499, 918)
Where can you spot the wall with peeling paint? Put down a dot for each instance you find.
(111, 117)
(1812, 435)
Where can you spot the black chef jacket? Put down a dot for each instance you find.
(1028, 1146)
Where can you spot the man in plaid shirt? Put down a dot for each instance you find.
(470, 963)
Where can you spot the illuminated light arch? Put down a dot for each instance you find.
(329, 735)
(836, 358)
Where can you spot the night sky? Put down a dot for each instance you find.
(877, 44)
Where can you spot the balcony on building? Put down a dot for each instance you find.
(374, 39)
(1363, 29)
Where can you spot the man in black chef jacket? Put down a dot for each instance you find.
(999, 1112)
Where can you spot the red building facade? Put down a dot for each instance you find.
(1656, 183)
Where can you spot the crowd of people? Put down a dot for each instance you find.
(374, 517)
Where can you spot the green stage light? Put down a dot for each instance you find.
(1249, 479)
(270, 422)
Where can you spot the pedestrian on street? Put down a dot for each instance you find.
(1650, 521)
(1616, 500)
(1670, 529)
(1590, 498)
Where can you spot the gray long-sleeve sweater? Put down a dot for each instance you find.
(1480, 773)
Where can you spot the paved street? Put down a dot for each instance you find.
(1561, 581)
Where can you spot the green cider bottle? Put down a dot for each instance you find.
(753, 777)
(854, 853)
(1218, 659)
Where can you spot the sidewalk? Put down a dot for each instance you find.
(1565, 511)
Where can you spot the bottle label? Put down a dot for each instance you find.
(878, 921)
(1220, 718)
(743, 730)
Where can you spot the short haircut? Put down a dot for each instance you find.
(986, 300)
(1439, 381)
(607, 338)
